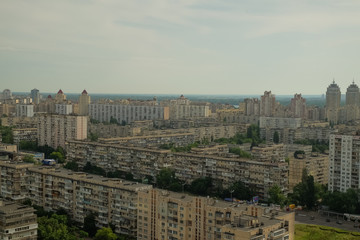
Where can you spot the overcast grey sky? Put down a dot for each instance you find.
(179, 46)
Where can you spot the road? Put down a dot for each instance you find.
(310, 217)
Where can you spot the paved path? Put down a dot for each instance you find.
(309, 217)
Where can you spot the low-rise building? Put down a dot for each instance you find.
(17, 221)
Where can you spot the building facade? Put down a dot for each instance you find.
(24, 110)
(84, 101)
(333, 98)
(125, 113)
(17, 221)
(54, 130)
(169, 215)
(344, 166)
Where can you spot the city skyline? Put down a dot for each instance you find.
(187, 47)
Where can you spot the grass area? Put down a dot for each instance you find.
(314, 232)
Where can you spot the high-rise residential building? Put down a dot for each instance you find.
(183, 108)
(17, 221)
(352, 102)
(169, 215)
(344, 155)
(298, 107)
(63, 108)
(353, 95)
(267, 104)
(6, 94)
(54, 129)
(60, 96)
(126, 113)
(84, 101)
(24, 110)
(35, 96)
(252, 107)
(333, 98)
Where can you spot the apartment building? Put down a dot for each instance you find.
(54, 130)
(260, 175)
(236, 116)
(279, 122)
(17, 221)
(14, 180)
(267, 104)
(333, 99)
(316, 165)
(169, 215)
(113, 200)
(84, 101)
(344, 166)
(127, 113)
(298, 107)
(24, 134)
(24, 110)
(63, 108)
(178, 140)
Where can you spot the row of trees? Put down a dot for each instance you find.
(310, 195)
(58, 154)
(59, 226)
(204, 186)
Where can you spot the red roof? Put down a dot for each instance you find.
(49, 96)
(84, 92)
(60, 92)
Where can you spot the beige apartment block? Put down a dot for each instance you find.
(169, 215)
(84, 101)
(14, 180)
(260, 175)
(54, 129)
(113, 200)
(24, 134)
(17, 221)
(315, 165)
(19, 122)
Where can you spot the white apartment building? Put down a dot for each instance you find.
(64, 109)
(127, 113)
(54, 129)
(344, 155)
(24, 110)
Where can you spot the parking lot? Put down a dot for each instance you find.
(310, 217)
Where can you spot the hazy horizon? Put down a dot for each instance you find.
(185, 47)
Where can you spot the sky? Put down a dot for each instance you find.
(179, 46)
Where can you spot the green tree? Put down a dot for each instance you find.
(58, 156)
(276, 137)
(166, 179)
(306, 193)
(202, 186)
(29, 159)
(47, 150)
(240, 191)
(54, 228)
(113, 120)
(72, 166)
(276, 196)
(7, 134)
(90, 224)
(93, 137)
(105, 234)
(28, 145)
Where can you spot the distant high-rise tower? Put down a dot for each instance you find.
(35, 95)
(333, 98)
(352, 102)
(7, 94)
(353, 95)
(298, 106)
(84, 101)
(252, 107)
(60, 96)
(267, 104)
